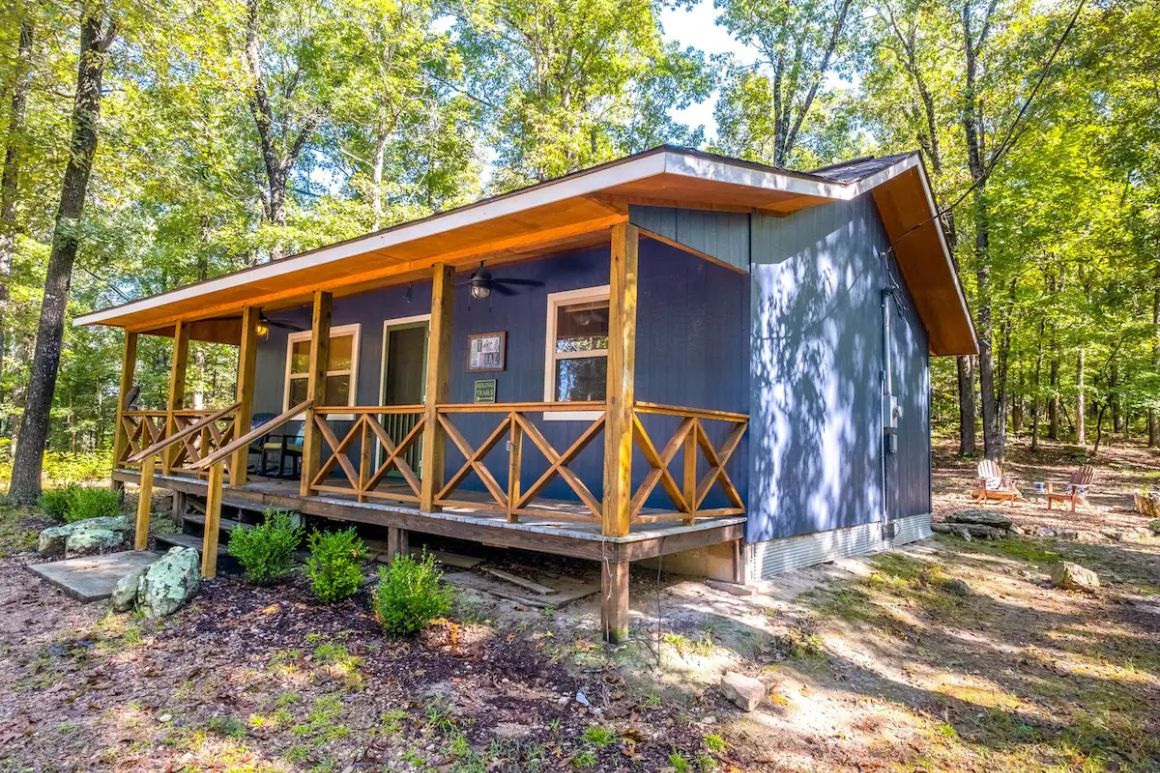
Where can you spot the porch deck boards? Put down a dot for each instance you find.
(538, 533)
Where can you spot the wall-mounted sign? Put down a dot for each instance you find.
(485, 390)
(486, 351)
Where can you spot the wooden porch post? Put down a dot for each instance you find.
(621, 380)
(128, 373)
(438, 384)
(176, 390)
(618, 425)
(247, 358)
(316, 387)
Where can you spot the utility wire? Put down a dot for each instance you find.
(1011, 135)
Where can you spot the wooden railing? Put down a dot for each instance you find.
(692, 440)
(196, 432)
(515, 425)
(142, 429)
(376, 457)
(381, 439)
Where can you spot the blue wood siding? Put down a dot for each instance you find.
(692, 349)
(722, 235)
(816, 458)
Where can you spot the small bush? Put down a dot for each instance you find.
(54, 502)
(266, 552)
(410, 594)
(91, 502)
(74, 503)
(335, 568)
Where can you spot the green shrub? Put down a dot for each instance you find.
(266, 552)
(335, 568)
(54, 501)
(410, 594)
(74, 503)
(91, 502)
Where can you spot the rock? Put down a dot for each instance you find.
(981, 518)
(117, 523)
(1072, 576)
(125, 594)
(1017, 530)
(55, 539)
(1067, 534)
(91, 540)
(581, 698)
(169, 582)
(1154, 525)
(957, 587)
(965, 533)
(52, 540)
(511, 730)
(744, 691)
(1045, 532)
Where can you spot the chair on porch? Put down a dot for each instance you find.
(1076, 490)
(991, 483)
(287, 447)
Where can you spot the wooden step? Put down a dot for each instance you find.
(184, 540)
(225, 523)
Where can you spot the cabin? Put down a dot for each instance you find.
(673, 357)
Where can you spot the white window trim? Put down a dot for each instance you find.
(555, 301)
(337, 330)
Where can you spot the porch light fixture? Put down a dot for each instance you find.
(263, 326)
(480, 284)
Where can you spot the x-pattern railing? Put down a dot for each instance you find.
(371, 439)
(214, 430)
(142, 429)
(691, 440)
(515, 425)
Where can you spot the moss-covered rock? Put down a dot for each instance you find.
(98, 534)
(89, 540)
(169, 582)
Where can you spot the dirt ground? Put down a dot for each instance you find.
(874, 663)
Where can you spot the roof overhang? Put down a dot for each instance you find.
(573, 211)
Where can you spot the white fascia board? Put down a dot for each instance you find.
(722, 171)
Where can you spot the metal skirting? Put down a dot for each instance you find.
(783, 555)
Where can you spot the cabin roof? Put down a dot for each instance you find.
(578, 210)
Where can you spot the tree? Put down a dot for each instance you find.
(10, 175)
(570, 83)
(97, 32)
(764, 108)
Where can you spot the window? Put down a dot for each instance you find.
(576, 366)
(341, 366)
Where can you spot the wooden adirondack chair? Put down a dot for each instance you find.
(991, 483)
(1076, 490)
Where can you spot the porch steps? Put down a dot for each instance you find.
(180, 539)
(225, 523)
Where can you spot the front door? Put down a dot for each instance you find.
(404, 376)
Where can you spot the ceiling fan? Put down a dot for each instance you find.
(267, 323)
(482, 283)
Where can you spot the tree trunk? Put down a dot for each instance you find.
(1114, 396)
(10, 179)
(972, 130)
(1053, 385)
(1035, 386)
(377, 178)
(95, 37)
(1153, 419)
(966, 368)
(1080, 397)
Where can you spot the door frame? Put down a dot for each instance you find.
(413, 320)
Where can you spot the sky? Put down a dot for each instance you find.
(697, 26)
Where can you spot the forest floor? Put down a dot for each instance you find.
(871, 663)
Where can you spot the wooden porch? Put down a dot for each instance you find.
(500, 481)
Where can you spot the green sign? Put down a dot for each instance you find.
(485, 390)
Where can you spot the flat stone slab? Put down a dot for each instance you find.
(92, 578)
